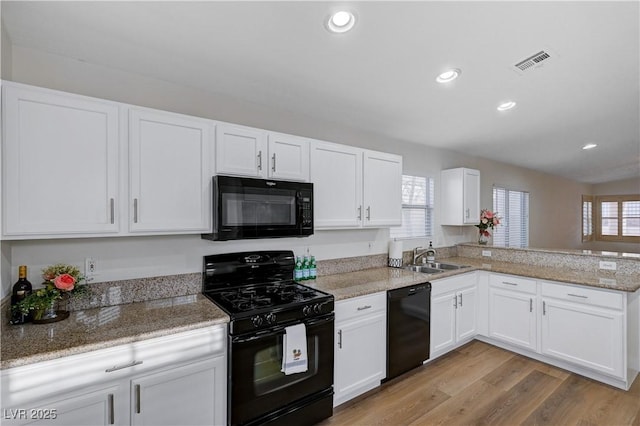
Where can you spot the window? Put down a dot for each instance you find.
(417, 208)
(618, 218)
(513, 207)
(587, 218)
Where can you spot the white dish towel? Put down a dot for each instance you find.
(294, 350)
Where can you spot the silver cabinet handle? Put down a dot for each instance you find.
(360, 213)
(135, 210)
(259, 160)
(273, 167)
(368, 212)
(467, 213)
(544, 308)
(112, 210)
(508, 283)
(112, 419)
(138, 408)
(340, 339)
(531, 305)
(120, 367)
(577, 295)
(455, 301)
(362, 308)
(460, 300)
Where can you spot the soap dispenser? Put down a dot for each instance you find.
(431, 253)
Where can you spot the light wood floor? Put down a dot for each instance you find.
(481, 384)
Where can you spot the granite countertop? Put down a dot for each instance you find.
(360, 283)
(100, 328)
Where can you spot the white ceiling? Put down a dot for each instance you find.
(380, 77)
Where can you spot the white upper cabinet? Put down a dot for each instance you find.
(336, 173)
(60, 163)
(240, 151)
(382, 189)
(460, 196)
(244, 151)
(170, 172)
(354, 187)
(288, 157)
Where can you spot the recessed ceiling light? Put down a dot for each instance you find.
(449, 75)
(506, 105)
(590, 146)
(341, 21)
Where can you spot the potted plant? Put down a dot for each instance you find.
(60, 281)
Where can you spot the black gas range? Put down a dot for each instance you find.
(257, 291)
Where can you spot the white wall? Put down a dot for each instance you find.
(143, 256)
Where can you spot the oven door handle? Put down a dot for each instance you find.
(279, 330)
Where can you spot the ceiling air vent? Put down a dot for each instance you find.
(533, 61)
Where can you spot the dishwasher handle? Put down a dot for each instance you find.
(409, 291)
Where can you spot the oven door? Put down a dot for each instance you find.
(257, 387)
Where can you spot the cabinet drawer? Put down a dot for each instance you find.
(583, 295)
(509, 282)
(360, 306)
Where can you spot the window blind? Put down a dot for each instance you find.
(513, 207)
(417, 208)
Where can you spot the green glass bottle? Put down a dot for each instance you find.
(297, 272)
(305, 268)
(313, 270)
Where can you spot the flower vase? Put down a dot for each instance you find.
(483, 237)
(49, 314)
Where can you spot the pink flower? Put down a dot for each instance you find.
(64, 282)
(485, 221)
(488, 214)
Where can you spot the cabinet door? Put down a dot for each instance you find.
(240, 151)
(471, 197)
(288, 157)
(336, 174)
(512, 317)
(170, 172)
(360, 356)
(382, 202)
(60, 163)
(107, 406)
(584, 335)
(467, 313)
(443, 323)
(193, 394)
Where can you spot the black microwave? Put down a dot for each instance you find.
(260, 208)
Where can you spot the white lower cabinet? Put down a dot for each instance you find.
(454, 312)
(360, 345)
(584, 327)
(180, 396)
(513, 310)
(177, 379)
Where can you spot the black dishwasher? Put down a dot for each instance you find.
(408, 328)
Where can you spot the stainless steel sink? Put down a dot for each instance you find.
(434, 268)
(446, 266)
(424, 269)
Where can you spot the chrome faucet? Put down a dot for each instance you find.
(417, 255)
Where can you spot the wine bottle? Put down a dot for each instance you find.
(21, 289)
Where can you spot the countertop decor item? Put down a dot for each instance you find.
(488, 219)
(61, 281)
(395, 253)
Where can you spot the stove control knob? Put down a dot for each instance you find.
(307, 310)
(317, 308)
(257, 321)
(271, 318)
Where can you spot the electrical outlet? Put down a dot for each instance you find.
(90, 268)
(610, 266)
(486, 253)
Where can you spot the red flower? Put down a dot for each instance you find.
(64, 282)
